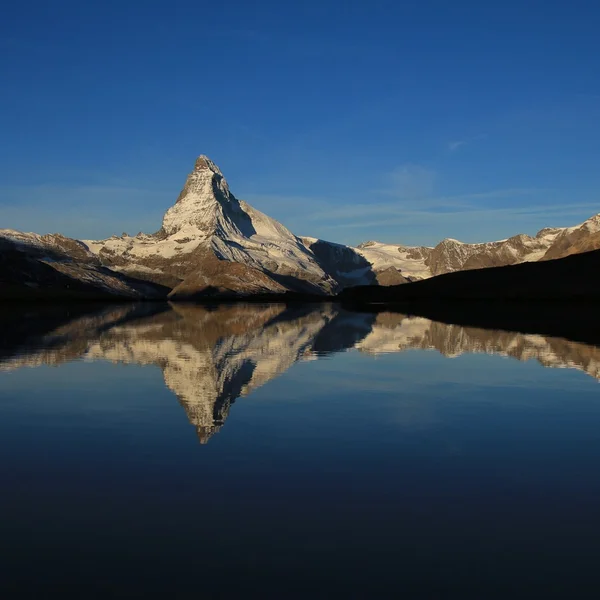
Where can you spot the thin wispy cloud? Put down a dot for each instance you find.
(413, 185)
(453, 146)
(407, 210)
(411, 181)
(415, 227)
(460, 199)
(470, 217)
(426, 206)
(501, 193)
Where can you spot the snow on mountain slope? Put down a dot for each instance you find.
(53, 245)
(572, 240)
(450, 255)
(211, 243)
(395, 332)
(345, 264)
(410, 261)
(208, 220)
(56, 266)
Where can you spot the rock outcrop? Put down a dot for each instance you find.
(451, 255)
(573, 240)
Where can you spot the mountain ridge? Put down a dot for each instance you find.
(422, 262)
(211, 244)
(208, 223)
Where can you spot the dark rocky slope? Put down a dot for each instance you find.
(59, 268)
(569, 278)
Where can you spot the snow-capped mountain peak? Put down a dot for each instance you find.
(208, 223)
(453, 255)
(202, 200)
(211, 243)
(203, 163)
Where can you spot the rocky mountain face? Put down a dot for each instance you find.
(452, 255)
(58, 267)
(411, 262)
(212, 244)
(211, 357)
(566, 279)
(573, 240)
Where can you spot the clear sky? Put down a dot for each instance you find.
(400, 121)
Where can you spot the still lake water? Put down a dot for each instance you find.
(306, 452)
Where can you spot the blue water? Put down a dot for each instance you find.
(348, 474)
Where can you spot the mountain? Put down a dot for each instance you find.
(411, 262)
(54, 266)
(211, 357)
(343, 263)
(573, 240)
(212, 244)
(450, 255)
(569, 278)
(208, 231)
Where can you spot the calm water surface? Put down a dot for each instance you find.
(307, 452)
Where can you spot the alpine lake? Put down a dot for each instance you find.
(306, 451)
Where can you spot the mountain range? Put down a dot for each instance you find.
(209, 357)
(211, 244)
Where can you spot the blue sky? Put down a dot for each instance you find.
(399, 121)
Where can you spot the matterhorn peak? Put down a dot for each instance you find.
(204, 163)
(202, 198)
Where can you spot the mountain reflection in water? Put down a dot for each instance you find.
(210, 356)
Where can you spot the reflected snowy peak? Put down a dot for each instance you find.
(210, 356)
